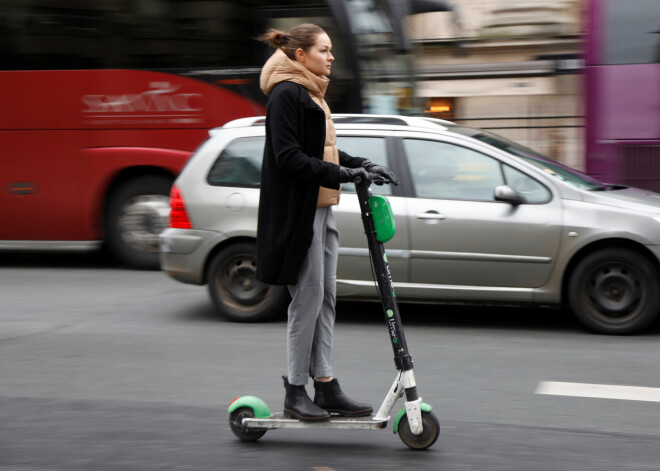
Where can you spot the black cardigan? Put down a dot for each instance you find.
(292, 172)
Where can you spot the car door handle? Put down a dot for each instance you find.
(431, 215)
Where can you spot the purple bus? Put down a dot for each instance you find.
(623, 92)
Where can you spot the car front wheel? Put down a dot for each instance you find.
(235, 290)
(615, 291)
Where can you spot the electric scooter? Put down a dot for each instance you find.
(250, 418)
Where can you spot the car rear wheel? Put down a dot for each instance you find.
(615, 291)
(235, 290)
(137, 213)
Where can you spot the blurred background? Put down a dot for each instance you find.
(104, 101)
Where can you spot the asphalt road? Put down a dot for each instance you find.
(106, 368)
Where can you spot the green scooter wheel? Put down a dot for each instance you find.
(430, 432)
(241, 431)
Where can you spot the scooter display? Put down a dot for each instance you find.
(250, 417)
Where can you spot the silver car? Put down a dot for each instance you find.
(479, 218)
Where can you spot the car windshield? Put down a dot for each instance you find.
(557, 170)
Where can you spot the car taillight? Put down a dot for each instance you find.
(178, 214)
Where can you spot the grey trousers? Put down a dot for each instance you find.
(311, 315)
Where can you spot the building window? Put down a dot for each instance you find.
(442, 108)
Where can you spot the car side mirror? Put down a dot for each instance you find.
(508, 195)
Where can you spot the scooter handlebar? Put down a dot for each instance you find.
(377, 179)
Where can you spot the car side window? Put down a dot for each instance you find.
(530, 189)
(239, 163)
(372, 148)
(448, 171)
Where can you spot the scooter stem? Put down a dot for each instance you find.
(402, 358)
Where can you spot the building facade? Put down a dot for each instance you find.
(510, 66)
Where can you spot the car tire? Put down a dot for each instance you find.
(236, 293)
(137, 212)
(615, 291)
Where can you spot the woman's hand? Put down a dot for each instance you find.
(383, 172)
(348, 175)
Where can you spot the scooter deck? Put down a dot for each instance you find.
(278, 420)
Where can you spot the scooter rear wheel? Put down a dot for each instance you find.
(240, 430)
(430, 432)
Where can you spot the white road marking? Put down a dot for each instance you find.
(601, 391)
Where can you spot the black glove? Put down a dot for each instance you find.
(348, 175)
(383, 172)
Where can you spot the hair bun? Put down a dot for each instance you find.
(275, 38)
(280, 39)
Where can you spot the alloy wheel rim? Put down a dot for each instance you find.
(142, 219)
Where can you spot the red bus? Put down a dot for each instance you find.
(103, 102)
(623, 92)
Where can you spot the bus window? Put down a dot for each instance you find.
(632, 32)
(145, 35)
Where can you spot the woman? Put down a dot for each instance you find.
(297, 241)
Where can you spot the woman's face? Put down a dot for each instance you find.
(318, 60)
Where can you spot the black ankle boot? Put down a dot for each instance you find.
(298, 405)
(331, 398)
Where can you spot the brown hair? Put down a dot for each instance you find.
(302, 37)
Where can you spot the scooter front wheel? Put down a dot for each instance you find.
(240, 430)
(430, 432)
